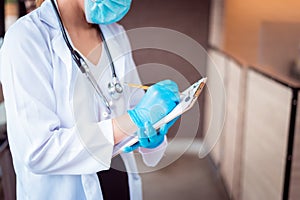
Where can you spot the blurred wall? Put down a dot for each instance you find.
(2, 21)
(279, 46)
(188, 17)
(243, 20)
(216, 26)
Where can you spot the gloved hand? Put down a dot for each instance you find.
(158, 101)
(149, 137)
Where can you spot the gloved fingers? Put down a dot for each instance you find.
(146, 131)
(151, 137)
(165, 128)
(156, 139)
(141, 133)
(148, 138)
(168, 83)
(169, 87)
(132, 147)
(159, 100)
(172, 122)
(149, 130)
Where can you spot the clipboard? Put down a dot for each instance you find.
(187, 99)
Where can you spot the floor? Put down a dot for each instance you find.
(189, 177)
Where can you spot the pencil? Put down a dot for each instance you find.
(137, 86)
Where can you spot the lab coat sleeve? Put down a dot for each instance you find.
(37, 137)
(151, 157)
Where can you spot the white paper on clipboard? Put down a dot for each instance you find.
(187, 99)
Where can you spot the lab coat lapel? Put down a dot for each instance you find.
(61, 50)
(48, 16)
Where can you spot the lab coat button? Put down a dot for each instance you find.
(135, 176)
(105, 114)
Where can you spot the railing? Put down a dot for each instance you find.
(258, 153)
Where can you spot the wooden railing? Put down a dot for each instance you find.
(258, 152)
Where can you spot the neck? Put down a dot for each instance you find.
(72, 14)
(84, 36)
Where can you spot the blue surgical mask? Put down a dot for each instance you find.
(106, 11)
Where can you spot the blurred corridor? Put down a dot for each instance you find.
(189, 177)
(248, 117)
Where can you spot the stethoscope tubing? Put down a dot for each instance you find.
(83, 65)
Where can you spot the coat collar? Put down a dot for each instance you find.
(48, 16)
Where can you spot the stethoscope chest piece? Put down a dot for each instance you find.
(115, 88)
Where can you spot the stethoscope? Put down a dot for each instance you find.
(115, 88)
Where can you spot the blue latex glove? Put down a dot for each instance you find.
(149, 137)
(158, 101)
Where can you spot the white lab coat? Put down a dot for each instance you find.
(38, 76)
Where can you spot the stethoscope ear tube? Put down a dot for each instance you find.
(115, 88)
(80, 62)
(111, 63)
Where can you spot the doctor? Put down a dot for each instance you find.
(39, 78)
